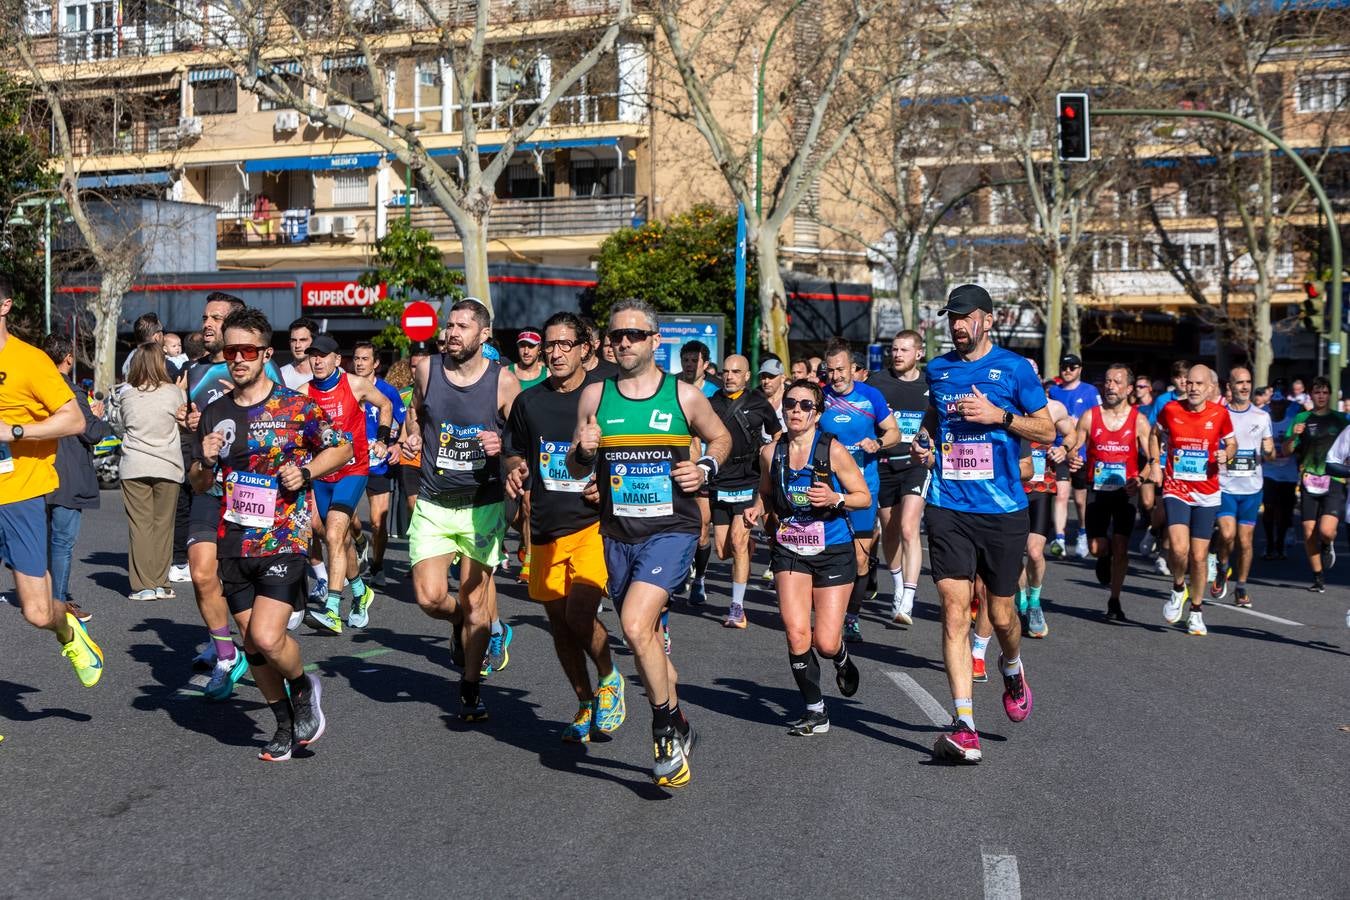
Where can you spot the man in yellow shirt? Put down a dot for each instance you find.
(36, 408)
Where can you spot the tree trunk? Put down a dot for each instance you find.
(114, 282)
(474, 240)
(772, 293)
(1073, 315)
(1054, 318)
(1262, 356)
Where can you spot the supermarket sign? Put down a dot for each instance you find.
(339, 294)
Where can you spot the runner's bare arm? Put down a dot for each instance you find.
(1143, 435)
(369, 393)
(704, 424)
(586, 436)
(1229, 450)
(412, 432)
(755, 511)
(889, 432)
(66, 421)
(508, 389)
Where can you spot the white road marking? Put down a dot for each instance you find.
(1001, 881)
(935, 711)
(1251, 612)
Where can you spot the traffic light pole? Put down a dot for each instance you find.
(1335, 348)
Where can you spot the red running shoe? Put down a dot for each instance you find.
(1016, 694)
(978, 670)
(961, 744)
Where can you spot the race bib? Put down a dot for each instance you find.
(553, 468)
(1038, 465)
(251, 499)
(1243, 464)
(460, 450)
(1108, 476)
(968, 461)
(744, 495)
(803, 538)
(6, 460)
(642, 490)
(1190, 465)
(909, 423)
(1316, 484)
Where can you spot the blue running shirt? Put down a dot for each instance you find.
(977, 465)
(854, 417)
(381, 466)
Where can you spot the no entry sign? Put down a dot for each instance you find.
(419, 321)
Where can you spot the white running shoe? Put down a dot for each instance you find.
(1175, 606)
(1160, 563)
(1213, 571)
(1147, 545)
(296, 618)
(1080, 549)
(1196, 625)
(180, 574)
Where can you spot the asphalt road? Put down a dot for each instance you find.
(1154, 764)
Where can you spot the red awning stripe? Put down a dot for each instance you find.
(552, 282)
(848, 298)
(205, 286)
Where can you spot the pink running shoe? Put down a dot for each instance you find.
(961, 744)
(1016, 694)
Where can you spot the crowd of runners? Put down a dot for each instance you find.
(622, 480)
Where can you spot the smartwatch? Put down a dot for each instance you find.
(1007, 418)
(304, 473)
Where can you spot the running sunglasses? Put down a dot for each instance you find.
(246, 352)
(632, 335)
(807, 405)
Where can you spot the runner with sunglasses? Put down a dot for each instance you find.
(808, 483)
(266, 443)
(635, 430)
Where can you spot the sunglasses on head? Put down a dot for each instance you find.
(246, 352)
(632, 335)
(790, 404)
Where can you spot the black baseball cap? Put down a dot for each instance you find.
(1070, 359)
(965, 299)
(322, 345)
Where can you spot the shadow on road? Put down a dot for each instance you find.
(12, 706)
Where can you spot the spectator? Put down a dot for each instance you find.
(151, 471)
(295, 374)
(1298, 395)
(174, 356)
(147, 330)
(78, 488)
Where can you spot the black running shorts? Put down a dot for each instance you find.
(963, 545)
(831, 567)
(896, 484)
(280, 577)
(382, 484)
(1110, 512)
(1041, 514)
(1314, 506)
(204, 513)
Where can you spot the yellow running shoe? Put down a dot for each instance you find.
(84, 655)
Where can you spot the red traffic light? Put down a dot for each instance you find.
(1070, 112)
(1310, 288)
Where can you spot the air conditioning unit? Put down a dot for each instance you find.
(344, 226)
(320, 224)
(287, 120)
(190, 126)
(340, 111)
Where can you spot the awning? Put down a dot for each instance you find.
(124, 179)
(532, 146)
(109, 88)
(218, 74)
(284, 67)
(314, 163)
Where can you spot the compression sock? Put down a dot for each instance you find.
(334, 601)
(737, 594)
(806, 672)
(965, 711)
(661, 718)
(1033, 596)
(224, 644)
(298, 685)
(678, 719)
(468, 693)
(979, 644)
(1012, 666)
(358, 587)
(855, 599)
(282, 710)
(701, 557)
(841, 658)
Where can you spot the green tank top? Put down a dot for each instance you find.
(526, 383)
(641, 441)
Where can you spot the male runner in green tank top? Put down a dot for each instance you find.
(635, 429)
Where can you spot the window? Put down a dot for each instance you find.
(88, 31)
(38, 19)
(1203, 256)
(210, 98)
(351, 189)
(293, 82)
(600, 178)
(524, 180)
(1321, 93)
(353, 83)
(1110, 256)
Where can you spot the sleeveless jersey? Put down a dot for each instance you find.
(641, 441)
(803, 529)
(1112, 456)
(456, 471)
(340, 405)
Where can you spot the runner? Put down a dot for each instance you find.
(748, 418)
(384, 470)
(1115, 435)
(567, 556)
(902, 485)
(37, 408)
(531, 369)
(1040, 482)
(858, 416)
(1240, 489)
(296, 373)
(984, 401)
(1078, 397)
(1310, 436)
(1279, 492)
(802, 370)
(336, 494)
(694, 367)
(265, 443)
(636, 430)
(461, 404)
(771, 385)
(808, 482)
(1198, 435)
(1155, 542)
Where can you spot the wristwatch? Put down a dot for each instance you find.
(1007, 418)
(304, 473)
(17, 431)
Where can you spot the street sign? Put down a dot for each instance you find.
(419, 321)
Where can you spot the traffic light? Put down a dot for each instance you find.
(1075, 133)
(1313, 308)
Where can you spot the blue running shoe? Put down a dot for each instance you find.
(498, 654)
(610, 707)
(579, 731)
(224, 677)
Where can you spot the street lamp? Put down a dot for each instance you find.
(18, 219)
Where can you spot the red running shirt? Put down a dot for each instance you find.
(347, 416)
(1112, 456)
(1193, 439)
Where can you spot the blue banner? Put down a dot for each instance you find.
(740, 278)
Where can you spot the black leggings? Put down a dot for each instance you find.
(1278, 515)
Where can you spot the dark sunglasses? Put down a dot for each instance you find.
(246, 352)
(632, 335)
(563, 345)
(806, 405)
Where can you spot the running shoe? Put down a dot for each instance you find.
(670, 767)
(1319, 585)
(326, 620)
(205, 661)
(1175, 607)
(85, 656)
(1036, 626)
(1056, 549)
(978, 671)
(1114, 611)
(687, 740)
(1147, 544)
(665, 631)
(308, 713)
(359, 617)
(74, 609)
(902, 610)
(698, 593)
(1080, 549)
(318, 591)
(735, 617)
(1211, 568)
(846, 677)
(1218, 585)
(852, 630)
(1016, 694)
(225, 676)
(872, 583)
(1103, 570)
(297, 616)
(180, 574)
(1196, 624)
(473, 712)
(378, 578)
(579, 730)
(768, 573)
(961, 744)
(610, 707)
(1160, 563)
(279, 748)
(810, 723)
(1328, 557)
(145, 594)
(1242, 598)
(362, 555)
(498, 655)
